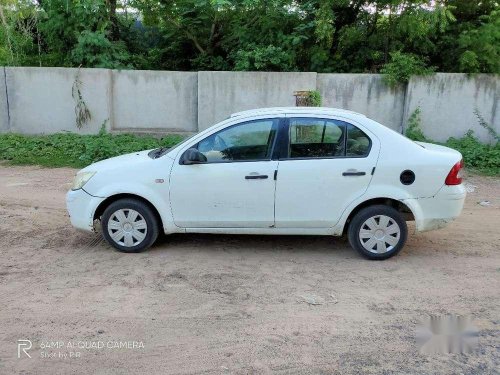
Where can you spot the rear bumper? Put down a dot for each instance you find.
(438, 211)
(81, 207)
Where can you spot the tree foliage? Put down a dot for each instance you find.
(398, 37)
(402, 66)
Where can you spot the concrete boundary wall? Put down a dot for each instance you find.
(364, 93)
(4, 113)
(447, 103)
(39, 100)
(223, 93)
(155, 100)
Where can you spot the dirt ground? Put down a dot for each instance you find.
(216, 304)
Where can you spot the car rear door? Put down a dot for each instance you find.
(325, 163)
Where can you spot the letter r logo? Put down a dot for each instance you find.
(23, 345)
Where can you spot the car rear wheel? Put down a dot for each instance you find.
(378, 232)
(129, 225)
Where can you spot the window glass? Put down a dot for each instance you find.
(312, 138)
(358, 143)
(247, 141)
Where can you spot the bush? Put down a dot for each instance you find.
(402, 66)
(74, 150)
(413, 130)
(315, 99)
(482, 157)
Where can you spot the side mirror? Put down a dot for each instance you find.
(193, 156)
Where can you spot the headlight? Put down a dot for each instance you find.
(81, 179)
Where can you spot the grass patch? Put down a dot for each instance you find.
(74, 150)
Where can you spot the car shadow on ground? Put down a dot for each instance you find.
(416, 246)
(252, 243)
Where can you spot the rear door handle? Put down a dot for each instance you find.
(256, 177)
(353, 173)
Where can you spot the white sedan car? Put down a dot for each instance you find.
(300, 171)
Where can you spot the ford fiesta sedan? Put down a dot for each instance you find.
(302, 171)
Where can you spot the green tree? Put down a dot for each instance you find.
(482, 46)
(399, 36)
(18, 33)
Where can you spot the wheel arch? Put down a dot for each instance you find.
(113, 198)
(401, 207)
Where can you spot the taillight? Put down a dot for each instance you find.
(455, 175)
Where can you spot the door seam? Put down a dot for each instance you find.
(274, 200)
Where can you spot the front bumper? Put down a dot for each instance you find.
(81, 208)
(436, 212)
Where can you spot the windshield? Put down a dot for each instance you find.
(178, 144)
(160, 151)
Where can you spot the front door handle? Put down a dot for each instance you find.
(256, 177)
(353, 173)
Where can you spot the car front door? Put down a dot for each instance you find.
(324, 165)
(235, 187)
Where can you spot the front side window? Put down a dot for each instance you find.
(324, 138)
(248, 141)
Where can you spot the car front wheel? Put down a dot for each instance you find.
(378, 232)
(129, 225)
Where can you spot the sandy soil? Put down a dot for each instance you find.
(236, 304)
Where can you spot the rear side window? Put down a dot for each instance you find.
(324, 138)
(358, 143)
(310, 138)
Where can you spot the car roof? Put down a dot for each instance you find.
(295, 110)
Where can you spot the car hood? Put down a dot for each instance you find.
(128, 160)
(126, 174)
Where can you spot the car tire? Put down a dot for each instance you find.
(129, 225)
(378, 232)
